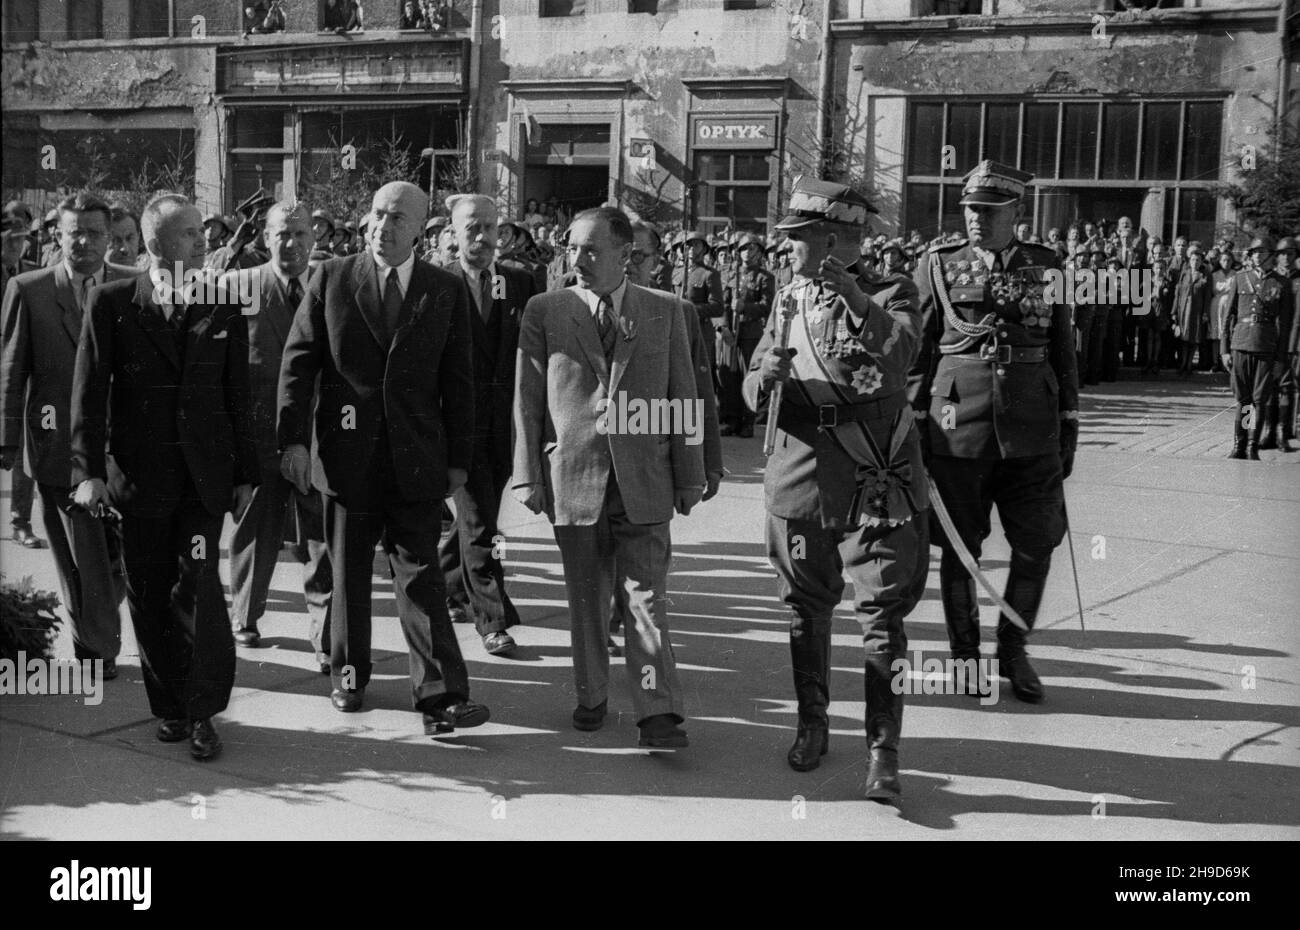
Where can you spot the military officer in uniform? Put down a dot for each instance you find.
(696, 282)
(996, 388)
(1256, 333)
(1281, 412)
(748, 301)
(845, 485)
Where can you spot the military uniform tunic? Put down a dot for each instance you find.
(1258, 314)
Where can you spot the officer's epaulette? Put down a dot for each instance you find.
(945, 246)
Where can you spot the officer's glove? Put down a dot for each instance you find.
(1069, 442)
(776, 366)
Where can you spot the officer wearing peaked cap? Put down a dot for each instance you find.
(845, 486)
(1255, 342)
(996, 389)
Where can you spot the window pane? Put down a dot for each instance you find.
(1079, 141)
(964, 136)
(149, 19)
(923, 208)
(1201, 142)
(749, 202)
(1160, 141)
(923, 153)
(1038, 143)
(1119, 142)
(257, 129)
(751, 167)
(247, 172)
(715, 201)
(712, 166)
(22, 20)
(320, 130)
(85, 20)
(1196, 214)
(1000, 132)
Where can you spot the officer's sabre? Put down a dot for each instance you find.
(968, 560)
(788, 308)
(1074, 566)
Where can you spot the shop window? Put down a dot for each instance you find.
(1079, 141)
(1201, 143)
(1160, 141)
(1119, 142)
(732, 189)
(1001, 132)
(1038, 139)
(22, 20)
(85, 20)
(963, 139)
(151, 19)
(554, 8)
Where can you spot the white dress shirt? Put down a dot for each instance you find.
(403, 273)
(592, 299)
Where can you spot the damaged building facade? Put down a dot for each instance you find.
(181, 87)
(1114, 111)
(697, 113)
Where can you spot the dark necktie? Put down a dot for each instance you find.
(295, 294)
(392, 302)
(485, 294)
(605, 326)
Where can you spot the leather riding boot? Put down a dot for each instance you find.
(1025, 584)
(1268, 438)
(961, 612)
(1286, 422)
(1252, 441)
(810, 659)
(884, 719)
(1238, 450)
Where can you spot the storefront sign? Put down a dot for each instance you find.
(393, 67)
(734, 132)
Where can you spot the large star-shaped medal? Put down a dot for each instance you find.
(867, 379)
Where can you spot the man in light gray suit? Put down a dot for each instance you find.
(608, 432)
(42, 325)
(277, 287)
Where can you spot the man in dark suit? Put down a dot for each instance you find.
(589, 356)
(14, 224)
(160, 431)
(277, 289)
(388, 337)
(469, 552)
(42, 322)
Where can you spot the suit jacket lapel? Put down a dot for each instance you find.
(152, 322)
(584, 326)
(67, 301)
(417, 292)
(368, 298)
(626, 343)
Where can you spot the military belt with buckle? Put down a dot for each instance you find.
(1005, 355)
(829, 416)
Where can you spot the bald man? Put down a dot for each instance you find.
(381, 345)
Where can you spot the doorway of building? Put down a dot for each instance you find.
(567, 161)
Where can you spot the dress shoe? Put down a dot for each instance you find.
(448, 717)
(323, 663)
(615, 650)
(1024, 680)
(174, 729)
(349, 702)
(810, 744)
(205, 744)
(24, 536)
(458, 614)
(882, 776)
(248, 637)
(662, 732)
(499, 644)
(589, 718)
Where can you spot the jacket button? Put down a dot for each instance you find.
(1002, 372)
